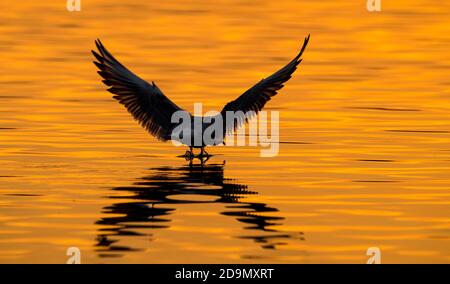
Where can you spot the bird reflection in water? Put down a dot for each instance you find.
(152, 205)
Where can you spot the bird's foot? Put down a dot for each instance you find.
(189, 155)
(203, 153)
(204, 159)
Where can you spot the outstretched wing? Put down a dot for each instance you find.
(256, 97)
(146, 103)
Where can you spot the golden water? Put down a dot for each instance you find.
(364, 159)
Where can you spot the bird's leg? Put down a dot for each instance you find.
(203, 160)
(189, 154)
(204, 153)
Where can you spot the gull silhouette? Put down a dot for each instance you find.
(154, 111)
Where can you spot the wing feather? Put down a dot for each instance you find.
(144, 101)
(255, 98)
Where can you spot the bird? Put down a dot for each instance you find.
(154, 111)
